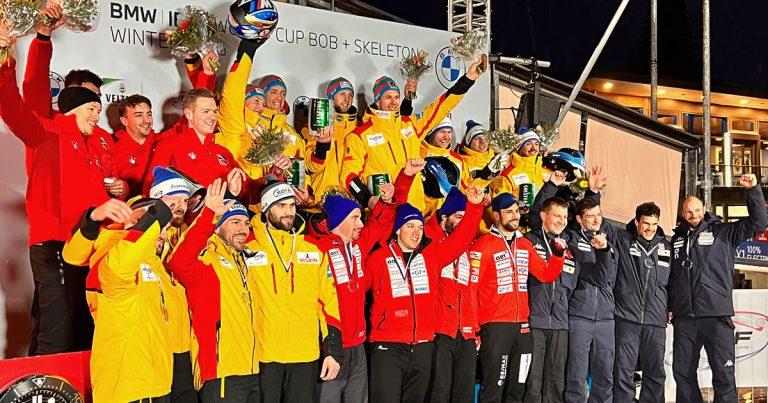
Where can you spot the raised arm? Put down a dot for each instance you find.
(16, 114)
(757, 220)
(450, 248)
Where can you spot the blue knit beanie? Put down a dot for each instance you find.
(234, 210)
(337, 208)
(404, 213)
(455, 201)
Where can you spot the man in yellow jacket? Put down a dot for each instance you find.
(247, 110)
(445, 168)
(212, 265)
(296, 298)
(329, 155)
(525, 175)
(131, 359)
(386, 140)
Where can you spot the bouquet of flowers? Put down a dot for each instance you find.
(197, 33)
(414, 67)
(267, 144)
(469, 46)
(549, 136)
(18, 17)
(503, 140)
(81, 15)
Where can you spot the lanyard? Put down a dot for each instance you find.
(512, 252)
(403, 273)
(289, 265)
(349, 260)
(648, 253)
(546, 242)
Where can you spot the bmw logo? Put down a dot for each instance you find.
(57, 84)
(448, 67)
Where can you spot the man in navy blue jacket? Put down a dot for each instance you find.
(701, 292)
(591, 345)
(643, 256)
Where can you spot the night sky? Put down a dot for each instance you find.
(565, 33)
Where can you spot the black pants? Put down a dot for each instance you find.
(646, 343)
(61, 319)
(162, 399)
(591, 351)
(400, 372)
(183, 385)
(288, 383)
(453, 378)
(351, 384)
(505, 359)
(546, 382)
(231, 389)
(715, 334)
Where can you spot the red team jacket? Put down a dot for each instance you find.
(456, 309)
(204, 161)
(405, 293)
(64, 179)
(348, 264)
(502, 286)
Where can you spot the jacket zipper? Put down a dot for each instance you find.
(645, 294)
(689, 273)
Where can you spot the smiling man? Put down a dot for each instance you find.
(63, 182)
(193, 150)
(701, 291)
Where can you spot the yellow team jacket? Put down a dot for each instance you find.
(521, 170)
(327, 173)
(220, 291)
(474, 161)
(428, 150)
(131, 358)
(386, 140)
(238, 124)
(82, 251)
(295, 294)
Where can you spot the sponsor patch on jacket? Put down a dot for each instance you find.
(500, 256)
(585, 247)
(147, 274)
(475, 255)
(569, 266)
(419, 277)
(634, 251)
(192, 155)
(375, 139)
(339, 266)
(308, 257)
(225, 262)
(662, 263)
(664, 252)
(396, 281)
(520, 179)
(706, 238)
(258, 259)
(407, 132)
(222, 161)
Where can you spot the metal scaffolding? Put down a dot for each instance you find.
(466, 15)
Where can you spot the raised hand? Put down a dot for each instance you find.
(53, 17)
(214, 198)
(414, 166)
(557, 178)
(113, 209)
(475, 194)
(748, 181)
(596, 179)
(235, 180)
(478, 68)
(387, 192)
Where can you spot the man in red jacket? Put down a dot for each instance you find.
(504, 260)
(64, 182)
(193, 150)
(405, 279)
(135, 141)
(455, 348)
(348, 243)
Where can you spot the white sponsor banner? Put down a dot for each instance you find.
(751, 335)
(309, 48)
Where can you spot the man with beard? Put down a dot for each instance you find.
(294, 290)
(548, 305)
(643, 256)
(89, 245)
(348, 243)
(504, 260)
(591, 344)
(405, 277)
(213, 266)
(701, 291)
